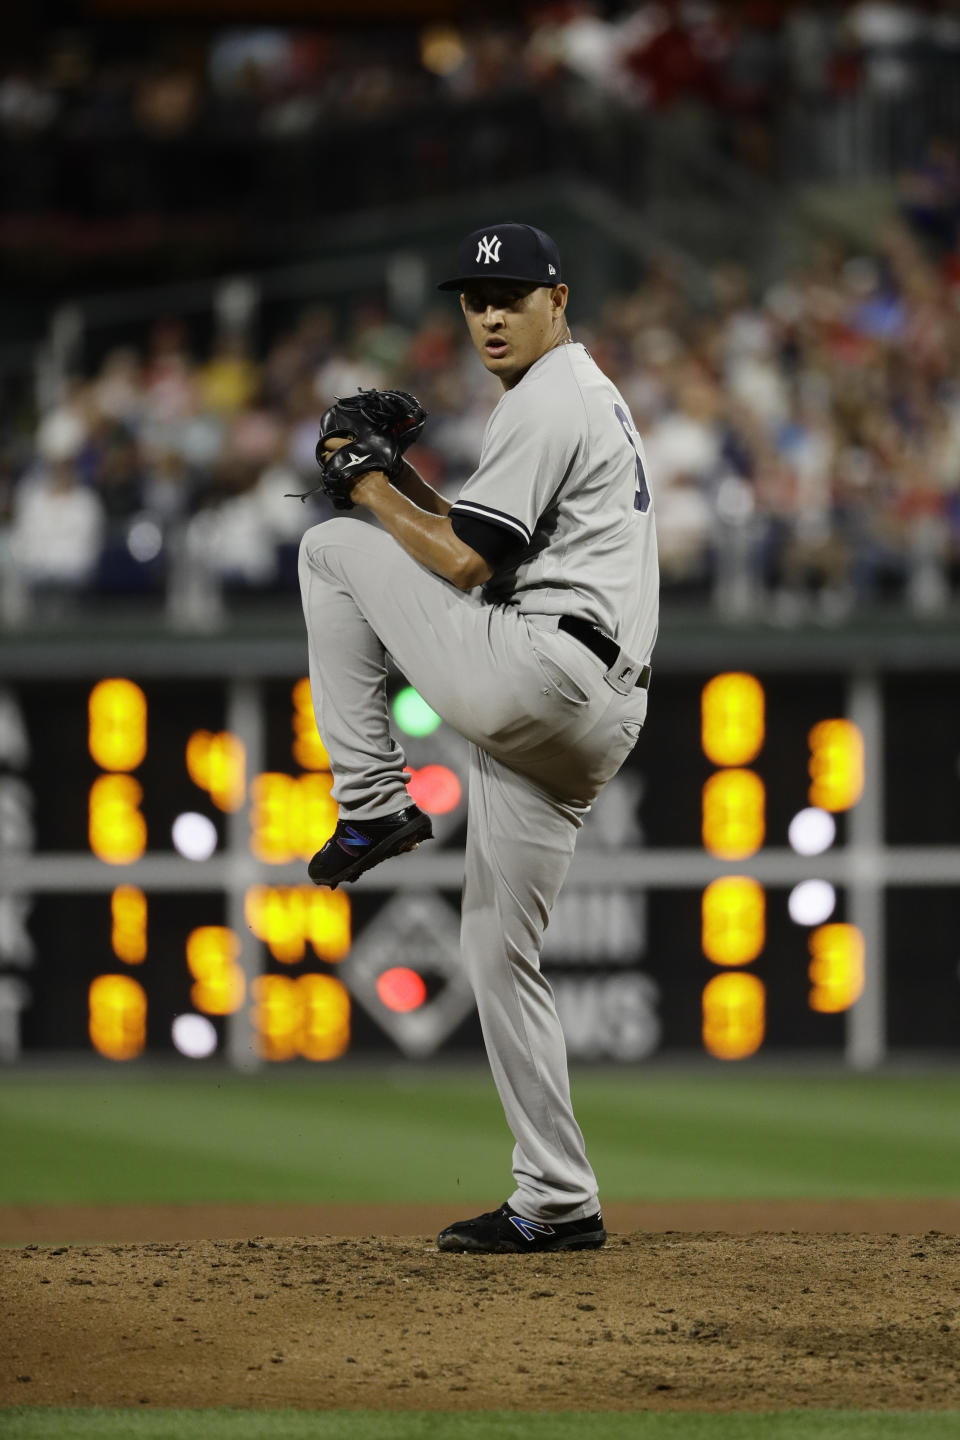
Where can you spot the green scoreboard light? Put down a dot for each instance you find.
(413, 715)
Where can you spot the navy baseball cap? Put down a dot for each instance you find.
(506, 252)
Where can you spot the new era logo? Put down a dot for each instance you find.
(489, 249)
(551, 269)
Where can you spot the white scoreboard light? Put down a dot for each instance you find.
(775, 868)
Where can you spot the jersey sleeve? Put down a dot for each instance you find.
(495, 543)
(529, 449)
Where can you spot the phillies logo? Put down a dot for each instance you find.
(489, 250)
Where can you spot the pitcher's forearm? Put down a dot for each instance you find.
(412, 484)
(429, 538)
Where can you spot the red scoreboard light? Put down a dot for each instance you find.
(401, 989)
(436, 789)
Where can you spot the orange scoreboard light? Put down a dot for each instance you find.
(734, 827)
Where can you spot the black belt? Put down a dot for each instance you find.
(602, 645)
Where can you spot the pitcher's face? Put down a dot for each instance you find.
(512, 324)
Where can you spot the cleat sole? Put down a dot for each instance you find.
(452, 1245)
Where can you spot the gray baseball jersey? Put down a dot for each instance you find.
(562, 467)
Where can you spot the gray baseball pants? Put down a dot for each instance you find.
(546, 732)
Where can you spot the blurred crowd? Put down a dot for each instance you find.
(283, 80)
(87, 87)
(809, 435)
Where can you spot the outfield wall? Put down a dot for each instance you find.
(774, 870)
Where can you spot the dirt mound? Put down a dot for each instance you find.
(114, 1224)
(705, 1321)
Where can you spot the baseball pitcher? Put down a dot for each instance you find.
(525, 614)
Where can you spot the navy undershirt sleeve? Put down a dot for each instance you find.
(497, 545)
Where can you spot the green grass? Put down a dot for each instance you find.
(322, 1136)
(26, 1424)
(136, 1136)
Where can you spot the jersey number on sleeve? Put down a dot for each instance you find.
(641, 500)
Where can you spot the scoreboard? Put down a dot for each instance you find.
(775, 869)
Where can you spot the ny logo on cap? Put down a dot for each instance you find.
(489, 250)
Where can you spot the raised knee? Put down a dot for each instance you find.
(328, 532)
(320, 537)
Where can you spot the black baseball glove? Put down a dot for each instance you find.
(381, 424)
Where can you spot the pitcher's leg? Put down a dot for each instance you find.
(348, 674)
(363, 595)
(520, 842)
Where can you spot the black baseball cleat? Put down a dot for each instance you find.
(357, 846)
(504, 1232)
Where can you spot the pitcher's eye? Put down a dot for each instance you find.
(477, 300)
